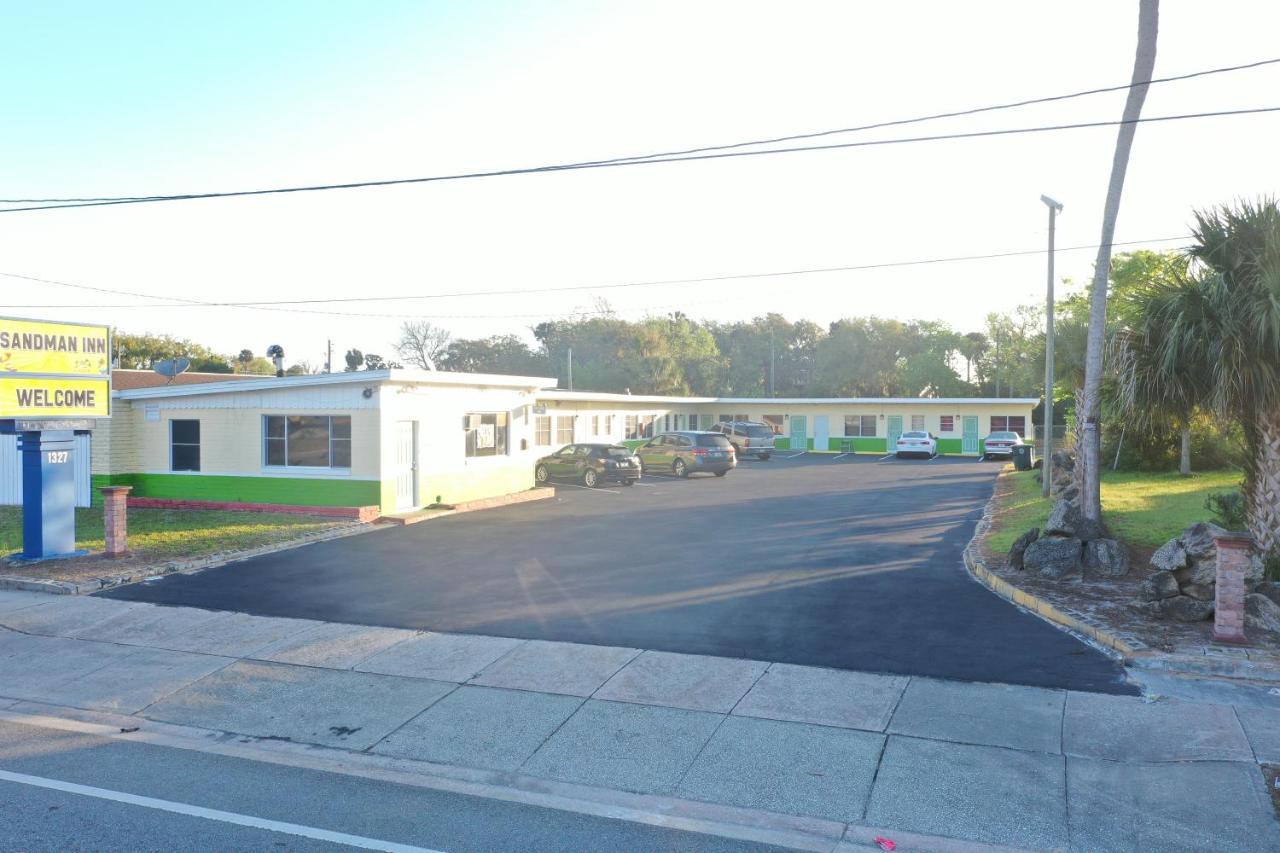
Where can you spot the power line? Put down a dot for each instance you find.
(654, 161)
(58, 202)
(280, 305)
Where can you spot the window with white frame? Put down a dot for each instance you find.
(564, 429)
(917, 422)
(774, 422)
(646, 425)
(693, 421)
(595, 424)
(306, 441)
(859, 426)
(1009, 423)
(947, 423)
(486, 433)
(542, 430)
(632, 423)
(608, 425)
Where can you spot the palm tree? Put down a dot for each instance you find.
(1213, 339)
(1090, 464)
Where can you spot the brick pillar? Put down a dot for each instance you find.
(1228, 601)
(116, 519)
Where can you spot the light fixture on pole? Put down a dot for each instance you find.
(1046, 452)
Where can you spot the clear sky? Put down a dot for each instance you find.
(145, 98)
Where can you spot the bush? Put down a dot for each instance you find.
(1158, 447)
(1227, 508)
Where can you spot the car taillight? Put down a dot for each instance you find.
(698, 451)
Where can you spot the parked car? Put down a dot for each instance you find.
(748, 438)
(916, 443)
(685, 453)
(591, 464)
(1001, 444)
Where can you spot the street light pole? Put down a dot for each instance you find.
(1046, 453)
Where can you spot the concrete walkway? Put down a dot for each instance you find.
(824, 754)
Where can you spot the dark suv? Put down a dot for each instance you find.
(685, 453)
(592, 464)
(748, 438)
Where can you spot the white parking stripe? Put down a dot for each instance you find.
(213, 814)
(841, 456)
(795, 456)
(886, 456)
(586, 489)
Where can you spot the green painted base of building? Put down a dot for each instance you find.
(946, 446)
(292, 491)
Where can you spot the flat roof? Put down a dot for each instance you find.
(601, 397)
(360, 377)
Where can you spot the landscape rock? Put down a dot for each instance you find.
(1106, 558)
(1053, 556)
(1197, 540)
(1270, 589)
(1020, 546)
(1261, 613)
(1204, 592)
(1257, 571)
(1203, 572)
(1184, 608)
(1070, 494)
(1159, 585)
(1169, 556)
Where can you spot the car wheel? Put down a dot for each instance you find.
(541, 474)
(628, 482)
(897, 455)
(590, 478)
(721, 473)
(764, 457)
(680, 469)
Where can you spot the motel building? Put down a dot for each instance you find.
(372, 443)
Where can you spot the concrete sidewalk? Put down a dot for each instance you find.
(825, 755)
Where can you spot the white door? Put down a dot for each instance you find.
(406, 464)
(821, 433)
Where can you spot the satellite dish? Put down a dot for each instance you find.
(171, 367)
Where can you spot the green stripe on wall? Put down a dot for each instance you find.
(950, 445)
(296, 491)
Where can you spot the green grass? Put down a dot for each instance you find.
(168, 534)
(1141, 508)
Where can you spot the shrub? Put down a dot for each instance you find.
(1227, 508)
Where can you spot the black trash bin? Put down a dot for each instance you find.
(1022, 457)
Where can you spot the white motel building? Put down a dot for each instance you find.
(389, 441)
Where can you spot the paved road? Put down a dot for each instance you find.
(36, 816)
(851, 563)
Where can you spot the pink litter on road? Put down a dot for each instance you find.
(885, 844)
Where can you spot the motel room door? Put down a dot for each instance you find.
(406, 464)
(799, 433)
(895, 430)
(821, 434)
(969, 438)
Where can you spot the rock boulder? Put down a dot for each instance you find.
(1184, 608)
(1106, 558)
(1053, 556)
(1270, 589)
(1261, 613)
(1169, 556)
(1200, 571)
(1204, 592)
(1197, 540)
(1020, 547)
(1159, 585)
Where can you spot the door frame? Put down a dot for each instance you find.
(803, 422)
(891, 437)
(969, 441)
(821, 438)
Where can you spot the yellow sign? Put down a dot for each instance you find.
(51, 397)
(37, 346)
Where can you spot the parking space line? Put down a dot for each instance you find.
(841, 456)
(796, 456)
(886, 456)
(588, 488)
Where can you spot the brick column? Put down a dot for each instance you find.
(1228, 601)
(116, 519)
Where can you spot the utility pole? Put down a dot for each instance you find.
(328, 356)
(771, 393)
(1046, 452)
(570, 368)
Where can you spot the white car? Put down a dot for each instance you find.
(1001, 444)
(916, 443)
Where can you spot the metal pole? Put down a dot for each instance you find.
(570, 368)
(1046, 454)
(771, 360)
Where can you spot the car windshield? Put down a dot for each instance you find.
(915, 435)
(756, 431)
(713, 441)
(1004, 436)
(615, 452)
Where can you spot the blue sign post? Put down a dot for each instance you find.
(49, 493)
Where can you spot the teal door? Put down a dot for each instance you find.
(969, 440)
(799, 433)
(895, 430)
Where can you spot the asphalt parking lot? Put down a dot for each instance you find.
(851, 562)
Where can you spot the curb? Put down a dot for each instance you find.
(706, 818)
(537, 493)
(1232, 663)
